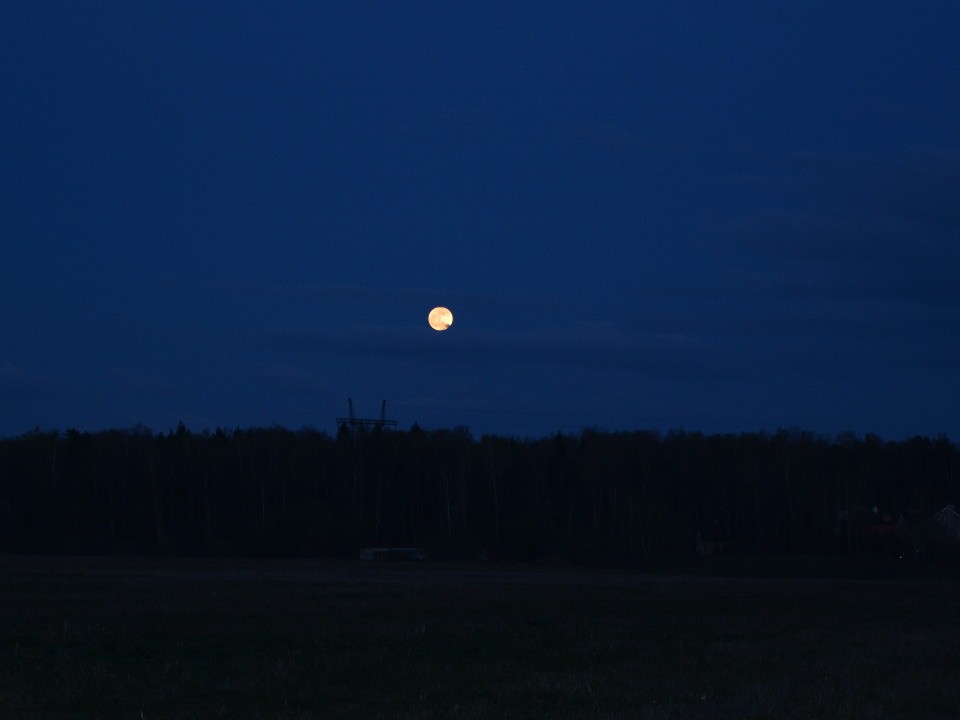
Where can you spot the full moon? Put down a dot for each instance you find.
(440, 318)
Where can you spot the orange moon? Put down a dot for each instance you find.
(440, 318)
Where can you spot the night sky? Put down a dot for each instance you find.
(722, 217)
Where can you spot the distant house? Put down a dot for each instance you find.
(871, 528)
(712, 545)
(882, 526)
(938, 533)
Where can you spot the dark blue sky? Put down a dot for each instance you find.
(716, 216)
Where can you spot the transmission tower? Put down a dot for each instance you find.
(352, 422)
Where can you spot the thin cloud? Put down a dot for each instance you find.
(290, 379)
(582, 345)
(888, 230)
(138, 380)
(20, 384)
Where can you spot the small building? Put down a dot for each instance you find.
(713, 545)
(939, 533)
(882, 529)
(871, 529)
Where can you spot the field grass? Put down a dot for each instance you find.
(82, 638)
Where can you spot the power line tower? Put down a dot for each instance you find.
(352, 422)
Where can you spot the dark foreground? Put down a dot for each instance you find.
(91, 638)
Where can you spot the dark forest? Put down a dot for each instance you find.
(592, 496)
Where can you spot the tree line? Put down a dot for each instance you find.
(594, 494)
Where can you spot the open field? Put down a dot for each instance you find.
(158, 638)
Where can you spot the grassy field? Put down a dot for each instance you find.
(151, 639)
